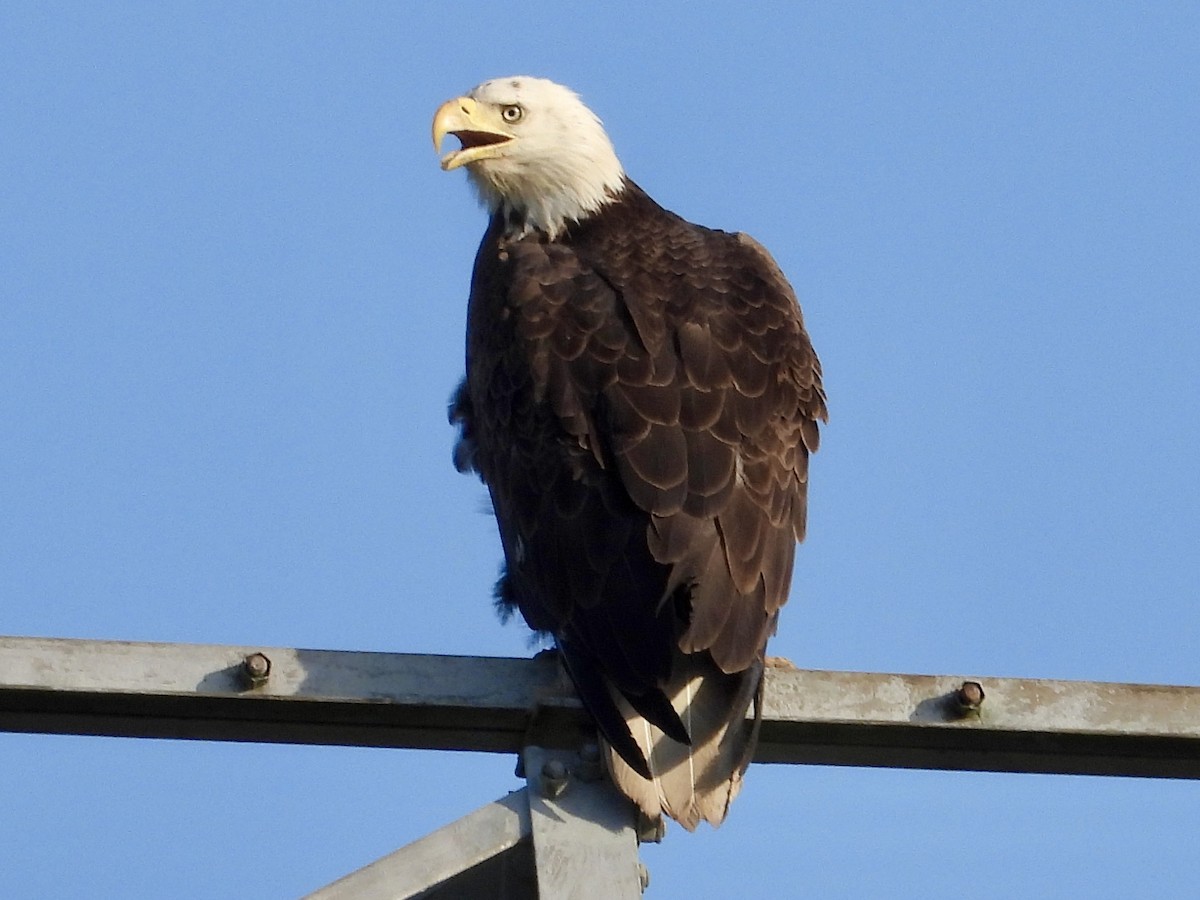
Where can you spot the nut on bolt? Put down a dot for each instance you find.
(650, 830)
(643, 876)
(969, 698)
(553, 780)
(256, 669)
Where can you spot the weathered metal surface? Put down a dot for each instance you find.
(501, 705)
(584, 844)
(576, 844)
(299, 696)
(944, 722)
(463, 859)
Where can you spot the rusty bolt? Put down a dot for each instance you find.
(554, 778)
(969, 697)
(256, 669)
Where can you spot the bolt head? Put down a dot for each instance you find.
(969, 697)
(256, 669)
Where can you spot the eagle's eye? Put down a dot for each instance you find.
(511, 114)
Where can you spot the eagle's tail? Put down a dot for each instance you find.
(690, 783)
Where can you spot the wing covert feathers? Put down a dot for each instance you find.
(641, 400)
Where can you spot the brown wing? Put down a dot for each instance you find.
(711, 421)
(760, 382)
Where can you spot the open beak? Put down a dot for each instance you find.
(469, 122)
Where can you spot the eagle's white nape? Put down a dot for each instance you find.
(562, 165)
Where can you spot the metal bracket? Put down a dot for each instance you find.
(584, 845)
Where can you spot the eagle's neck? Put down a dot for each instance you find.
(554, 194)
(520, 221)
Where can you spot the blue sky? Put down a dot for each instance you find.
(231, 314)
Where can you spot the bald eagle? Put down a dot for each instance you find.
(641, 399)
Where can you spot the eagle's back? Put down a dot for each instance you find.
(641, 399)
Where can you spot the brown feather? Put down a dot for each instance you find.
(641, 399)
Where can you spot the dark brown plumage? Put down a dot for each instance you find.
(641, 399)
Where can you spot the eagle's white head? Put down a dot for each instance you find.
(532, 150)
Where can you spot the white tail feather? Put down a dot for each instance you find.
(699, 782)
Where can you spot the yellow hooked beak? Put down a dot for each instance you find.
(478, 126)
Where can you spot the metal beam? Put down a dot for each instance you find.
(485, 853)
(981, 724)
(284, 695)
(501, 705)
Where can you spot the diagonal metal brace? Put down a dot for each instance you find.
(486, 853)
(568, 835)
